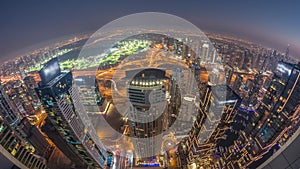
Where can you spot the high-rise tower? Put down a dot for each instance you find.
(64, 125)
(148, 110)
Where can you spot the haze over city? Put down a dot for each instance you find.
(149, 84)
(25, 25)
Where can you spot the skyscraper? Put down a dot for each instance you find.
(16, 150)
(64, 125)
(14, 143)
(212, 126)
(148, 110)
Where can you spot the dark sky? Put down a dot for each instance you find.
(27, 23)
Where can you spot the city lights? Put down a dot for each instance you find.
(150, 90)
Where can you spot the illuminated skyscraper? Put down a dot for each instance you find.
(64, 125)
(21, 123)
(18, 152)
(14, 143)
(147, 92)
(212, 126)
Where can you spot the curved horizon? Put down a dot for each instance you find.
(274, 24)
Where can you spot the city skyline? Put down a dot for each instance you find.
(27, 24)
(116, 86)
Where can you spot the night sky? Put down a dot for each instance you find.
(24, 24)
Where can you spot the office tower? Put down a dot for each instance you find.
(148, 110)
(63, 124)
(212, 127)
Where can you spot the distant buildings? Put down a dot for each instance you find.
(259, 114)
(31, 85)
(19, 95)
